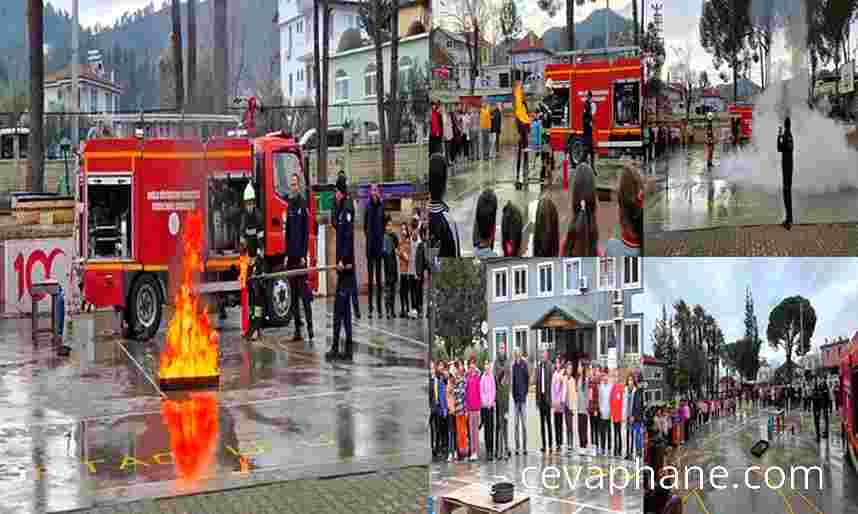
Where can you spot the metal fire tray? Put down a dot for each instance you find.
(182, 383)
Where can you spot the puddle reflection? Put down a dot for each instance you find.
(192, 423)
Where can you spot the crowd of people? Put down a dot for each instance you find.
(464, 132)
(400, 254)
(582, 409)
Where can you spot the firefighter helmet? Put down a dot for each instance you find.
(249, 193)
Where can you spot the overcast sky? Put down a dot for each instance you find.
(718, 284)
(103, 11)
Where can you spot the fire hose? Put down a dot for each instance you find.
(290, 273)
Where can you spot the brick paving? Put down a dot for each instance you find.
(390, 492)
(811, 240)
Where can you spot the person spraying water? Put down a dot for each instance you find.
(785, 147)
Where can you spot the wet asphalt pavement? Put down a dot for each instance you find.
(688, 196)
(569, 494)
(80, 434)
(727, 442)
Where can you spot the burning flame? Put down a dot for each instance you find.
(243, 265)
(193, 427)
(192, 344)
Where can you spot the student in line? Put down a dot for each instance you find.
(512, 227)
(558, 403)
(583, 387)
(546, 233)
(488, 394)
(485, 222)
(571, 413)
(473, 406)
(630, 202)
(582, 237)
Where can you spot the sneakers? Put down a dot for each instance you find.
(473, 457)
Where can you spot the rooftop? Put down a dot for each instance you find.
(87, 72)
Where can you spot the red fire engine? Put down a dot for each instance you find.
(745, 113)
(849, 401)
(136, 193)
(616, 81)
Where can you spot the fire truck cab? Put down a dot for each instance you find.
(849, 401)
(615, 77)
(744, 112)
(135, 194)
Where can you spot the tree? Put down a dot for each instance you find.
(552, 7)
(178, 67)
(686, 76)
(460, 298)
(509, 21)
(652, 49)
(836, 17)
(192, 53)
(664, 344)
(791, 326)
(635, 20)
(818, 51)
(36, 29)
(469, 21)
(725, 32)
(379, 19)
(690, 358)
(221, 55)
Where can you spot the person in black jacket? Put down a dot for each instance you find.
(543, 400)
(587, 124)
(635, 449)
(497, 119)
(520, 386)
(821, 405)
(422, 268)
(345, 259)
(373, 228)
(785, 147)
(443, 231)
(296, 234)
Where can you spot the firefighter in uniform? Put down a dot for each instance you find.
(296, 237)
(344, 216)
(253, 240)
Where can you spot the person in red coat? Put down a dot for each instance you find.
(617, 391)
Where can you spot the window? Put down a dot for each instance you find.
(631, 272)
(519, 283)
(606, 273)
(499, 281)
(631, 336)
(449, 44)
(546, 278)
(341, 86)
(405, 64)
(500, 337)
(603, 333)
(571, 276)
(93, 100)
(652, 395)
(285, 165)
(520, 338)
(546, 338)
(652, 373)
(300, 74)
(369, 88)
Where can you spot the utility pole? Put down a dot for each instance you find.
(607, 22)
(75, 92)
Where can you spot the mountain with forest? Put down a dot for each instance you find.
(137, 41)
(590, 33)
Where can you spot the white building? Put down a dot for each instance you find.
(457, 47)
(99, 91)
(296, 42)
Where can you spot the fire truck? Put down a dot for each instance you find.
(135, 194)
(849, 401)
(615, 77)
(744, 112)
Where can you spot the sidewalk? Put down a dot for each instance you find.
(401, 491)
(823, 240)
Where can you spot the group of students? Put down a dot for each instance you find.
(678, 424)
(584, 406)
(582, 235)
(465, 132)
(402, 256)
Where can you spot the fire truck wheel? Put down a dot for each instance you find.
(145, 308)
(279, 300)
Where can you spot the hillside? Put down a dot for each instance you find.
(590, 33)
(134, 44)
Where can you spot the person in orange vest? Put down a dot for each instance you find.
(617, 393)
(523, 123)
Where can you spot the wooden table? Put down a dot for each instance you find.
(475, 498)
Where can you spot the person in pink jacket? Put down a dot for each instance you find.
(487, 414)
(558, 403)
(472, 406)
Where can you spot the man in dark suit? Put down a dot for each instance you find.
(543, 399)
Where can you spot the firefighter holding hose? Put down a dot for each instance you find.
(296, 237)
(252, 241)
(344, 217)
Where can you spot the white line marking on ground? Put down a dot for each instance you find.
(391, 334)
